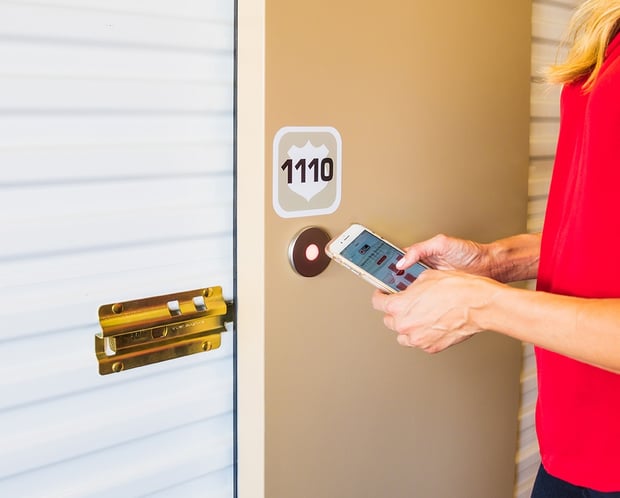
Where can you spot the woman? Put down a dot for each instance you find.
(574, 316)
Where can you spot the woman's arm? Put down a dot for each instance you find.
(514, 258)
(506, 260)
(443, 308)
(584, 329)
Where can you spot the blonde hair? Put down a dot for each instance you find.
(592, 27)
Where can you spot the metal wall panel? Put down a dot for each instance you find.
(116, 183)
(549, 22)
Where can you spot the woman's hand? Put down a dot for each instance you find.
(506, 260)
(440, 309)
(449, 253)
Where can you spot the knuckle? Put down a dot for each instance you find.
(416, 341)
(441, 239)
(403, 340)
(389, 308)
(374, 302)
(425, 275)
(377, 301)
(400, 328)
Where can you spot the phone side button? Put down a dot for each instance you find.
(347, 266)
(367, 279)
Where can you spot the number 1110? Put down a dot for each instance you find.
(324, 170)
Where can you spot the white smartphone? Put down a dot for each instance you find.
(373, 258)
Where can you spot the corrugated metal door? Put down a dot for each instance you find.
(549, 22)
(116, 183)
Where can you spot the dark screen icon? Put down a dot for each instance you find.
(400, 278)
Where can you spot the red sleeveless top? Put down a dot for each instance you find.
(578, 411)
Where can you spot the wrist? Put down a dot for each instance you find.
(514, 258)
(485, 315)
(495, 257)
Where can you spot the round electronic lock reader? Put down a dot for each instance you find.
(306, 252)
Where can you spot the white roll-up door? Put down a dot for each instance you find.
(549, 21)
(116, 183)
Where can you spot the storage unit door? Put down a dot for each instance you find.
(116, 183)
(434, 140)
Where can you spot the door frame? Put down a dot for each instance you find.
(250, 237)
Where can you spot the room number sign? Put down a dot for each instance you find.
(307, 171)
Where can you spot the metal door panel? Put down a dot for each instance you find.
(116, 147)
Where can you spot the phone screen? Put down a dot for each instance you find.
(379, 259)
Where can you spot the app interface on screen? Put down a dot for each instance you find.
(379, 259)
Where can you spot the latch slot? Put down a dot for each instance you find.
(150, 330)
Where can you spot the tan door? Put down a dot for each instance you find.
(431, 102)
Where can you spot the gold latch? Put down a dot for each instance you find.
(154, 329)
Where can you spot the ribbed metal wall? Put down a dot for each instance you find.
(116, 182)
(549, 21)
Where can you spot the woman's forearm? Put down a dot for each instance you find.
(584, 329)
(587, 330)
(514, 258)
